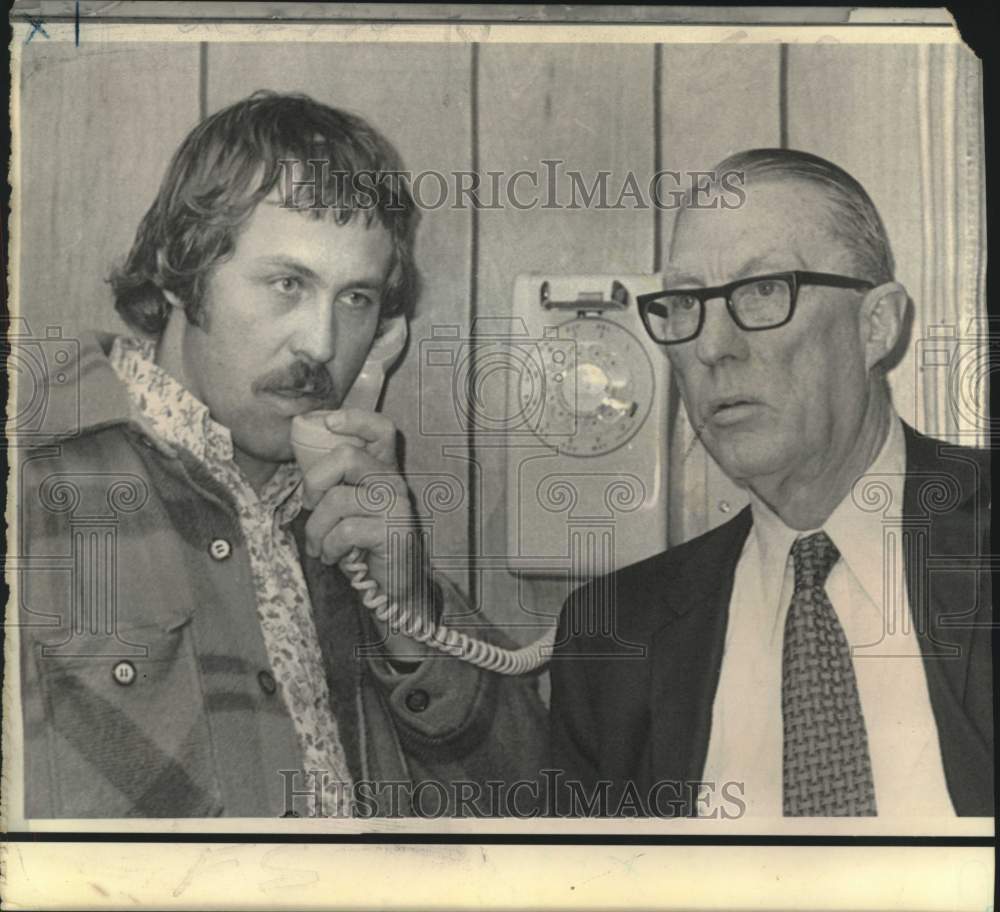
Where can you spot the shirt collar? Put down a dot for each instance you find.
(854, 527)
(858, 525)
(177, 420)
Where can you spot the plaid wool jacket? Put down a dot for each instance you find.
(145, 682)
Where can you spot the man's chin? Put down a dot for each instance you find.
(745, 456)
(275, 451)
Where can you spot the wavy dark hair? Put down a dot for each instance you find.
(226, 166)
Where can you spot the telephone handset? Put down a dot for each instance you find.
(310, 436)
(311, 439)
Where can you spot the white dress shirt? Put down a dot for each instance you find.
(867, 589)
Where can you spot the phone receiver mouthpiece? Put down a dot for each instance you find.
(312, 439)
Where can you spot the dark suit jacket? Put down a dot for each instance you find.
(625, 719)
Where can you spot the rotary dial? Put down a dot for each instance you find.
(597, 388)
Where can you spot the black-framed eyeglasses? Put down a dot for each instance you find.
(755, 303)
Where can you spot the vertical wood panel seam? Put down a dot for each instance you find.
(202, 80)
(657, 152)
(472, 465)
(976, 127)
(783, 96)
(924, 393)
(988, 185)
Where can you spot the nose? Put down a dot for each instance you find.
(315, 334)
(720, 337)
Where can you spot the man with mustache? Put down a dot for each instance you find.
(221, 671)
(827, 651)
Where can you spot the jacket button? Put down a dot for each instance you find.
(267, 682)
(124, 673)
(417, 701)
(220, 549)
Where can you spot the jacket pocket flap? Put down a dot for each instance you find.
(70, 648)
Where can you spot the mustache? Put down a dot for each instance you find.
(299, 378)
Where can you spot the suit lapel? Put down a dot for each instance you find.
(948, 599)
(687, 655)
(943, 535)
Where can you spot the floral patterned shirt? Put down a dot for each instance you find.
(176, 418)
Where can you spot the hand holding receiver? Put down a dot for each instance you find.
(312, 438)
(342, 453)
(335, 461)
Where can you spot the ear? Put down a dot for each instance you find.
(172, 299)
(881, 320)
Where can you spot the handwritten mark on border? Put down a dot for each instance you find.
(37, 25)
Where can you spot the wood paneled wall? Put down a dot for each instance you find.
(98, 126)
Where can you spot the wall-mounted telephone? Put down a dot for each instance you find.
(587, 493)
(311, 439)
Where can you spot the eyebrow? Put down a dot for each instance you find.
(751, 267)
(680, 278)
(300, 269)
(754, 265)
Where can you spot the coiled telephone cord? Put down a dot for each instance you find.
(452, 642)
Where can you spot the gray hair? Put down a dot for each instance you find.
(856, 222)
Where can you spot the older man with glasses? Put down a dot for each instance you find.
(827, 651)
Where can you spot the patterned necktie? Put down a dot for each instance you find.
(827, 768)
